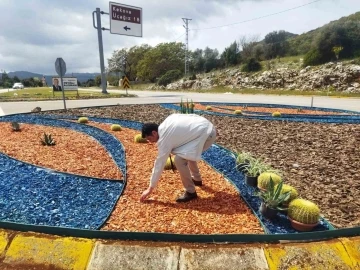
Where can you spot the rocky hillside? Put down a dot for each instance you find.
(342, 77)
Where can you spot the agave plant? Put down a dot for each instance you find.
(47, 140)
(272, 197)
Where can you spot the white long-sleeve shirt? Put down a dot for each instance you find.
(183, 135)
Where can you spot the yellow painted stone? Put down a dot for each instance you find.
(352, 246)
(4, 238)
(64, 253)
(305, 256)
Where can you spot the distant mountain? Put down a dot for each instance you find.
(82, 77)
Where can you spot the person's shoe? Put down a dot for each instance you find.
(197, 183)
(187, 196)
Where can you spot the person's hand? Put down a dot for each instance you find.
(146, 194)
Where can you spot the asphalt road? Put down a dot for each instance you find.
(148, 97)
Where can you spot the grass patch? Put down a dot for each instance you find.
(46, 93)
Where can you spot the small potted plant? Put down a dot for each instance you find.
(243, 161)
(304, 215)
(272, 199)
(252, 172)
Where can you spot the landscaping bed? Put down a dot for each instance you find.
(320, 160)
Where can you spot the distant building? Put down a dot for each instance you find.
(44, 81)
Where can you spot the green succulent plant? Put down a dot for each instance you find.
(272, 197)
(265, 177)
(15, 126)
(187, 108)
(83, 120)
(47, 140)
(304, 211)
(115, 127)
(257, 166)
(139, 139)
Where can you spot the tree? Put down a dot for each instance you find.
(97, 80)
(276, 44)
(160, 59)
(231, 56)
(211, 59)
(337, 50)
(197, 61)
(247, 45)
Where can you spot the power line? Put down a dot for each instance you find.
(179, 37)
(254, 19)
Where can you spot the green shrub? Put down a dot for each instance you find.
(192, 77)
(251, 65)
(169, 77)
(83, 120)
(208, 108)
(115, 127)
(312, 58)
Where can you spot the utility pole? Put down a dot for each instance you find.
(186, 26)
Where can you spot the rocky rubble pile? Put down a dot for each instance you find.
(331, 76)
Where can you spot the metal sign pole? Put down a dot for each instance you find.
(62, 86)
(101, 51)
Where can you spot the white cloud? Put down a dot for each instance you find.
(34, 33)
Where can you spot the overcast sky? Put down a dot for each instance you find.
(34, 33)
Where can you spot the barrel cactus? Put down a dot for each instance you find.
(238, 112)
(83, 120)
(276, 114)
(168, 164)
(115, 127)
(264, 179)
(293, 192)
(208, 108)
(304, 211)
(139, 139)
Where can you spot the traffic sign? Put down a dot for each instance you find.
(60, 67)
(125, 20)
(125, 83)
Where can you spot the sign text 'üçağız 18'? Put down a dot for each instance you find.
(125, 14)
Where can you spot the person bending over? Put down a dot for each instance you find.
(186, 136)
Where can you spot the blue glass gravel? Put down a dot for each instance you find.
(32, 195)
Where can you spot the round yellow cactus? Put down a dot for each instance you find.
(304, 211)
(276, 114)
(139, 139)
(238, 112)
(83, 120)
(115, 127)
(264, 179)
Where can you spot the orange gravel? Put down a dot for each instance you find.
(218, 210)
(74, 152)
(222, 109)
